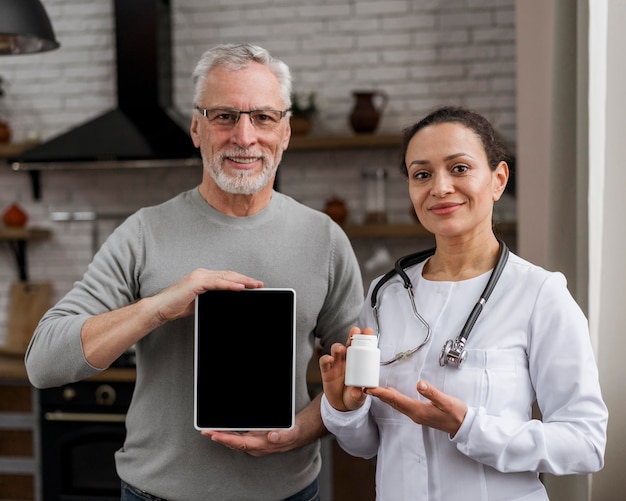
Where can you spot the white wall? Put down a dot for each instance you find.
(571, 182)
(607, 180)
(423, 53)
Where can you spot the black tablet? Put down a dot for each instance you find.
(244, 360)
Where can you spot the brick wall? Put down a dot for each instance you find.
(421, 52)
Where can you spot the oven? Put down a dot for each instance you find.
(82, 425)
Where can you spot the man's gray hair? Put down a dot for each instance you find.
(236, 56)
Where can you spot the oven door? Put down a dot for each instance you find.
(78, 443)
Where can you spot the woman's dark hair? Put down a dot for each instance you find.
(495, 148)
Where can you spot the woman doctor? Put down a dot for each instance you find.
(457, 423)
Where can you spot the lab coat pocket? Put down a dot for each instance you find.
(494, 379)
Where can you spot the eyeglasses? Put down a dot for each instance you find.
(227, 118)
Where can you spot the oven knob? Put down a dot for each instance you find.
(69, 393)
(105, 395)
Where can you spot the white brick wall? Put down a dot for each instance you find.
(421, 52)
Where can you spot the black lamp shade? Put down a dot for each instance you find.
(25, 28)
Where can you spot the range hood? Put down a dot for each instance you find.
(143, 131)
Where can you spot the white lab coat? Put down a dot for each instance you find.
(530, 342)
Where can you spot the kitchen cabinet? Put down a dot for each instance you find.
(18, 441)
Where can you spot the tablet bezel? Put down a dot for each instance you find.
(242, 380)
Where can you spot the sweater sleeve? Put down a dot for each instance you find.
(55, 355)
(345, 292)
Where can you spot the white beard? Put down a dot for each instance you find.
(244, 183)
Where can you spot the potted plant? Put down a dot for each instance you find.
(303, 107)
(5, 130)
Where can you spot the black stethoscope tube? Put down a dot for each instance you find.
(453, 350)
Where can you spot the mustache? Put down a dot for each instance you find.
(239, 152)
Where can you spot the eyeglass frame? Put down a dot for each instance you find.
(205, 111)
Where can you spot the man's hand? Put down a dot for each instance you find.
(308, 427)
(178, 300)
(106, 336)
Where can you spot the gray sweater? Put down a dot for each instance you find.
(285, 245)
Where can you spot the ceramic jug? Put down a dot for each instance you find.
(368, 106)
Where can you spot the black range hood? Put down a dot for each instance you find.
(142, 131)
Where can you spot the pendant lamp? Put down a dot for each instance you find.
(25, 28)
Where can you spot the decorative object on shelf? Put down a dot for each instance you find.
(25, 28)
(303, 107)
(368, 107)
(337, 210)
(375, 196)
(14, 217)
(5, 130)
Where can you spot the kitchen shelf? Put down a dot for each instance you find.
(24, 233)
(297, 143)
(313, 142)
(10, 150)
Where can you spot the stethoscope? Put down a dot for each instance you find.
(454, 349)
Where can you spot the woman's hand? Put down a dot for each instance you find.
(333, 370)
(442, 411)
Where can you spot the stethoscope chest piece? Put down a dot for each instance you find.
(453, 352)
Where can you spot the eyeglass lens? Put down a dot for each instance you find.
(228, 118)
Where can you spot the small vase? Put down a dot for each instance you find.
(300, 126)
(367, 110)
(5, 132)
(14, 217)
(337, 210)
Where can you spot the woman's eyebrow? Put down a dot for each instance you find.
(446, 158)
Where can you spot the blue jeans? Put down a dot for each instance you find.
(130, 493)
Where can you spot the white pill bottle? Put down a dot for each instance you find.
(363, 361)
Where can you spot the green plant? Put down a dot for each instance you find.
(303, 104)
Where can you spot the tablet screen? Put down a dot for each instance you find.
(245, 359)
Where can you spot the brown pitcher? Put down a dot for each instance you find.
(368, 106)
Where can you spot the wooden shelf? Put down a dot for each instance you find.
(10, 150)
(313, 142)
(24, 233)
